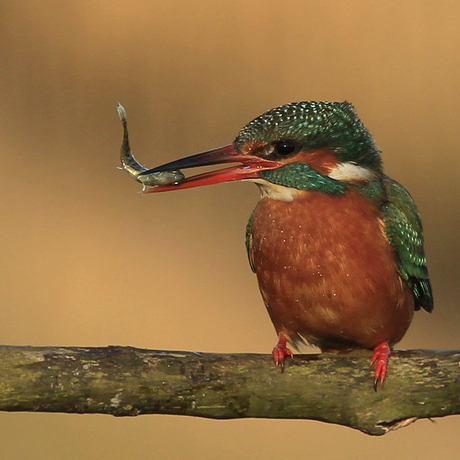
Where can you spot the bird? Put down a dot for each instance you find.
(336, 245)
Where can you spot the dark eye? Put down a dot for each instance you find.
(286, 147)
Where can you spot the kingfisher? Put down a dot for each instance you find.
(336, 245)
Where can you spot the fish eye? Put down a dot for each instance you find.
(286, 147)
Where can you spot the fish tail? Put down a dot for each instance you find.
(129, 163)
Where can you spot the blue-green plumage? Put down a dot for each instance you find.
(316, 124)
(403, 229)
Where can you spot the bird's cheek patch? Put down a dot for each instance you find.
(322, 160)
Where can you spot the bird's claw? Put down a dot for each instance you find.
(380, 359)
(281, 352)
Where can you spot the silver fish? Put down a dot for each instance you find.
(134, 168)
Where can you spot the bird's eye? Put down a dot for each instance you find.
(286, 147)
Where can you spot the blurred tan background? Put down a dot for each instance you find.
(88, 261)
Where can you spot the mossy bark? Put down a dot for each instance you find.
(126, 381)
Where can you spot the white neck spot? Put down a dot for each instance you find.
(351, 172)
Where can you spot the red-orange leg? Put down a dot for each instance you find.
(281, 351)
(380, 357)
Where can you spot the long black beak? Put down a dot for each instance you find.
(249, 168)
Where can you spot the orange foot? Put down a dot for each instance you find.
(281, 351)
(381, 354)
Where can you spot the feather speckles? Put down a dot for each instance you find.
(316, 125)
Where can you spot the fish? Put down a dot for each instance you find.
(135, 169)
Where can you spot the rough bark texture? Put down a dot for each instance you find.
(125, 381)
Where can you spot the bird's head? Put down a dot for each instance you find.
(299, 146)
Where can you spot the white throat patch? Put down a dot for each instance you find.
(274, 191)
(351, 172)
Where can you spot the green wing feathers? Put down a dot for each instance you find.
(249, 243)
(404, 231)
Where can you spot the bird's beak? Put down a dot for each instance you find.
(249, 168)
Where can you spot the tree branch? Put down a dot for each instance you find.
(126, 381)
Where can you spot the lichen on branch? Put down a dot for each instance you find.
(126, 381)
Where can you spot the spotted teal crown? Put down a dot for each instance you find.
(316, 124)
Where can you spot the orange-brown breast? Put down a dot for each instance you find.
(327, 273)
